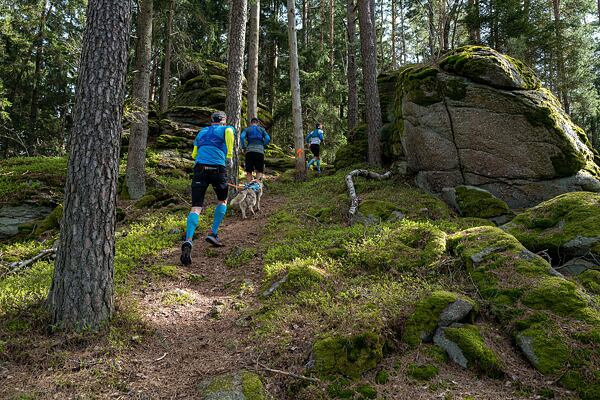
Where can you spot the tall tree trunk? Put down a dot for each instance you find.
(560, 61)
(305, 22)
(135, 175)
(165, 81)
(238, 16)
(473, 24)
(295, 87)
(373, 107)
(39, 54)
(394, 51)
(352, 73)
(253, 59)
(331, 33)
(322, 39)
(81, 296)
(402, 32)
(431, 29)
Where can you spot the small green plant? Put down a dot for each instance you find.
(422, 372)
(196, 278)
(177, 297)
(166, 271)
(239, 256)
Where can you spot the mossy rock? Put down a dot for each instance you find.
(173, 142)
(590, 280)
(429, 313)
(380, 210)
(52, 221)
(471, 201)
(422, 372)
(567, 225)
(549, 318)
(242, 385)
(472, 345)
(405, 247)
(487, 66)
(349, 356)
(156, 198)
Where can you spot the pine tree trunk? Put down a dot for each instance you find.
(474, 24)
(238, 16)
(253, 59)
(373, 108)
(304, 22)
(331, 33)
(402, 32)
(560, 60)
(295, 87)
(135, 175)
(81, 296)
(352, 73)
(166, 69)
(322, 39)
(394, 58)
(39, 54)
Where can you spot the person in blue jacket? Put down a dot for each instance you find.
(254, 139)
(314, 140)
(213, 151)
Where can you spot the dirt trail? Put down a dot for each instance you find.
(189, 341)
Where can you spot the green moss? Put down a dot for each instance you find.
(167, 271)
(380, 209)
(455, 89)
(586, 388)
(382, 377)
(474, 202)
(165, 141)
(366, 392)
(422, 372)
(339, 389)
(156, 198)
(469, 340)
(252, 386)
(348, 356)
(590, 279)
(554, 223)
(556, 294)
(424, 320)
(52, 221)
(239, 256)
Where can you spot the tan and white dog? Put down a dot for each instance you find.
(248, 198)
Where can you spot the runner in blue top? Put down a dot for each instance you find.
(254, 139)
(213, 150)
(314, 139)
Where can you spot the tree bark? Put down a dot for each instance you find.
(473, 22)
(81, 295)
(394, 56)
(135, 175)
(238, 16)
(352, 73)
(373, 107)
(165, 80)
(331, 34)
(402, 32)
(560, 60)
(253, 59)
(322, 39)
(295, 87)
(39, 54)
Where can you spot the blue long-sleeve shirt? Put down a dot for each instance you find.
(315, 137)
(255, 142)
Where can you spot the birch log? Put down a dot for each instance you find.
(354, 200)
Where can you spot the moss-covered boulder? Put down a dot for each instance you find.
(349, 356)
(552, 321)
(465, 346)
(354, 151)
(52, 221)
(440, 309)
(471, 201)
(242, 385)
(156, 198)
(451, 120)
(567, 226)
(375, 211)
(405, 247)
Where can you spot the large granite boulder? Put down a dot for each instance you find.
(481, 118)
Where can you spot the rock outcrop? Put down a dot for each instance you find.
(481, 118)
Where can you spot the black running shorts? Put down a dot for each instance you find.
(255, 162)
(205, 175)
(316, 150)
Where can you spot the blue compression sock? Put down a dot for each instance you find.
(192, 223)
(310, 163)
(319, 165)
(220, 212)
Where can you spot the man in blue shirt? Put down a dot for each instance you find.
(314, 139)
(254, 139)
(213, 150)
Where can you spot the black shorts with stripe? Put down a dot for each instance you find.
(205, 175)
(315, 149)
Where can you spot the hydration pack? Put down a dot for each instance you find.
(255, 135)
(214, 137)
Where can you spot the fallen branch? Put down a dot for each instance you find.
(278, 371)
(275, 286)
(17, 266)
(161, 357)
(354, 200)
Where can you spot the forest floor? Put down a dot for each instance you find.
(176, 326)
